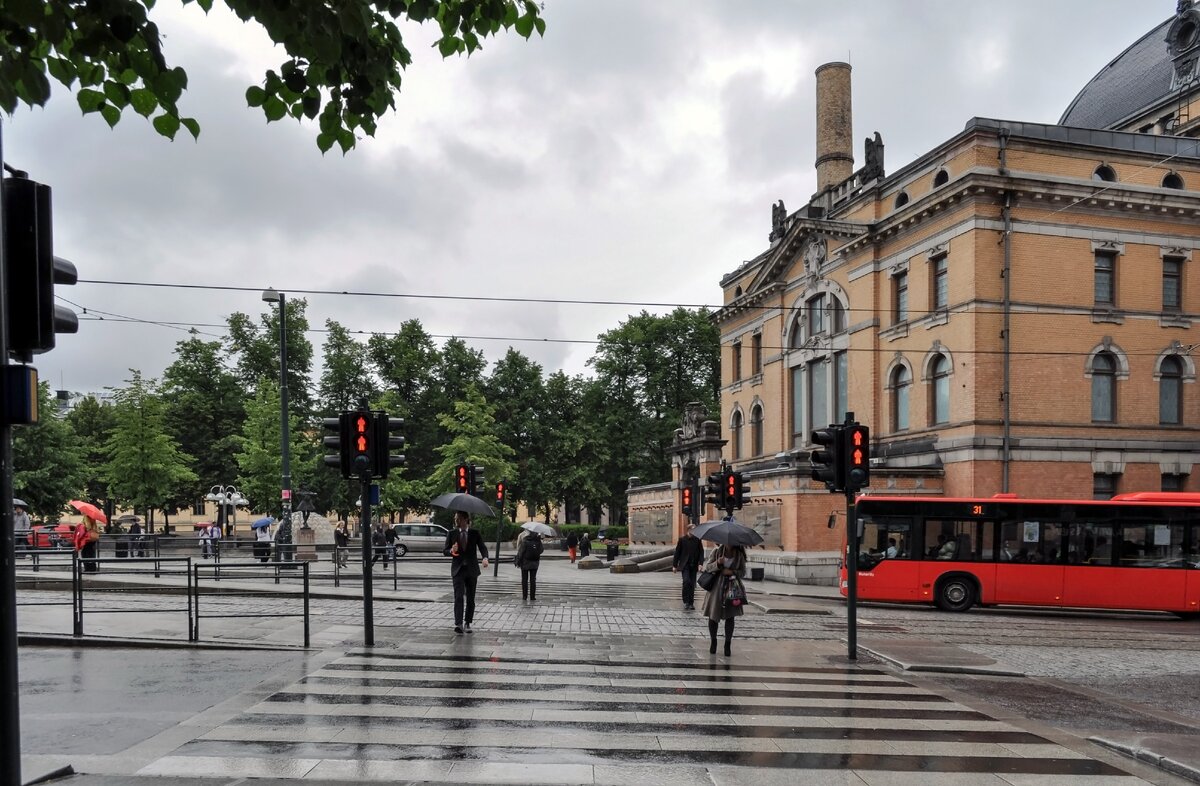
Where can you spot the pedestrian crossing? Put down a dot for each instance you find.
(499, 717)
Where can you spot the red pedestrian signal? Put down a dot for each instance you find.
(462, 479)
(857, 455)
(685, 500)
(500, 489)
(361, 442)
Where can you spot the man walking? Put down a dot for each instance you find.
(462, 543)
(689, 553)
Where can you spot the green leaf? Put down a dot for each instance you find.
(255, 96)
(524, 25)
(144, 102)
(90, 100)
(274, 108)
(191, 125)
(117, 94)
(167, 125)
(448, 46)
(510, 14)
(61, 69)
(346, 140)
(111, 114)
(540, 24)
(325, 141)
(127, 77)
(205, 4)
(91, 74)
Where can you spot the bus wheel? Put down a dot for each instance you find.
(956, 593)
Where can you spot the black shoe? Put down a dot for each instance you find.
(458, 629)
(712, 647)
(468, 627)
(727, 650)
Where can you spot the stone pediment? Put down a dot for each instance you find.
(806, 239)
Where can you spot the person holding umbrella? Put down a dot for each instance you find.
(529, 556)
(723, 574)
(262, 538)
(461, 545)
(87, 534)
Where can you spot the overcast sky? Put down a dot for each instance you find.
(632, 154)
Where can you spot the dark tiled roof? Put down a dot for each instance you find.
(1136, 78)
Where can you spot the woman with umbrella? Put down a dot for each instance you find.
(529, 556)
(726, 567)
(262, 538)
(87, 534)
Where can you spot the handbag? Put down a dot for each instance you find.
(735, 593)
(707, 581)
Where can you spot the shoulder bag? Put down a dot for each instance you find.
(707, 581)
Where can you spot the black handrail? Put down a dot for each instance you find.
(217, 568)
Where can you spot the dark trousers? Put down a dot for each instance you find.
(381, 552)
(529, 583)
(464, 590)
(89, 552)
(689, 583)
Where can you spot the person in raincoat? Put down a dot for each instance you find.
(729, 563)
(87, 543)
(529, 558)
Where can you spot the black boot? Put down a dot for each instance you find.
(728, 634)
(712, 635)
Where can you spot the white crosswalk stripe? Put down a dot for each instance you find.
(497, 719)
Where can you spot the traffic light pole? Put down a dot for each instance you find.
(499, 526)
(851, 568)
(10, 688)
(368, 585)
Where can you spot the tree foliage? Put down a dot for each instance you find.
(256, 347)
(342, 67)
(49, 463)
(473, 438)
(260, 462)
(145, 466)
(93, 422)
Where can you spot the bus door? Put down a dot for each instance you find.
(1133, 565)
(885, 567)
(1030, 567)
(1191, 565)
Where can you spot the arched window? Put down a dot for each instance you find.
(735, 434)
(837, 315)
(901, 199)
(941, 178)
(1105, 173)
(1172, 180)
(737, 292)
(756, 430)
(1104, 387)
(1170, 392)
(901, 384)
(939, 405)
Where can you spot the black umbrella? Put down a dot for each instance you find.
(728, 533)
(464, 502)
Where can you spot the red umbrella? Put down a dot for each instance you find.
(89, 510)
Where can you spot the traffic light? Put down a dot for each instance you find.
(385, 443)
(685, 500)
(32, 270)
(736, 489)
(715, 492)
(462, 479)
(362, 443)
(827, 465)
(338, 441)
(856, 453)
(501, 490)
(730, 481)
(477, 479)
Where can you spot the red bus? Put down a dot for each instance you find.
(1135, 551)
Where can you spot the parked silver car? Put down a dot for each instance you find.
(420, 536)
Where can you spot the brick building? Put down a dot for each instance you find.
(1015, 310)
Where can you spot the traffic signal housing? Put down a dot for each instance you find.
(462, 479)
(32, 270)
(385, 443)
(827, 465)
(338, 441)
(477, 480)
(856, 454)
(715, 491)
(686, 502)
(736, 489)
(501, 491)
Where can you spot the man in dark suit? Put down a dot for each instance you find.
(689, 553)
(462, 543)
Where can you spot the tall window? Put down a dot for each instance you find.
(818, 393)
(798, 436)
(837, 315)
(756, 349)
(841, 385)
(1172, 275)
(816, 315)
(735, 435)
(1170, 392)
(756, 430)
(900, 297)
(1104, 486)
(737, 361)
(1106, 267)
(901, 384)
(940, 284)
(1104, 387)
(939, 409)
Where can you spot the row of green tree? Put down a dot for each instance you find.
(214, 419)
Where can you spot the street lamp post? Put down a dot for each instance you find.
(228, 499)
(283, 537)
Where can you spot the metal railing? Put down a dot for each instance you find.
(246, 570)
(176, 566)
(351, 556)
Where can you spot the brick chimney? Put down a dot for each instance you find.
(835, 126)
